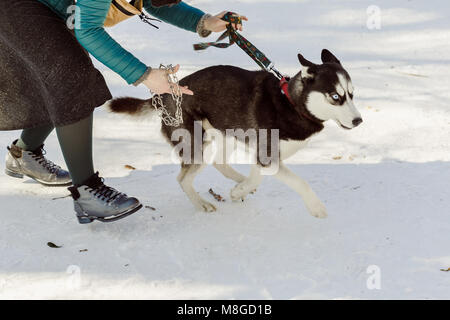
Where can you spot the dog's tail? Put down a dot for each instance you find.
(130, 106)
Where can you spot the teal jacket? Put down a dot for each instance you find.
(91, 34)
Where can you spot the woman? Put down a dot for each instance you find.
(48, 81)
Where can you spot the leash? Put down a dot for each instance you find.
(235, 37)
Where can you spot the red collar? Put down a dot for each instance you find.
(284, 85)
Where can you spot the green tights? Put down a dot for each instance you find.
(75, 141)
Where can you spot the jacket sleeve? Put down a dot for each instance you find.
(181, 15)
(89, 18)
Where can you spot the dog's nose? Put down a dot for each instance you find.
(356, 122)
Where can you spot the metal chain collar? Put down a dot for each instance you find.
(177, 96)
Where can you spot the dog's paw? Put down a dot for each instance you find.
(206, 206)
(239, 192)
(317, 209)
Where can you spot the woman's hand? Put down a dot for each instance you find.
(157, 82)
(216, 24)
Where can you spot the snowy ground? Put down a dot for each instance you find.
(386, 183)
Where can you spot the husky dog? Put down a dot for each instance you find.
(227, 97)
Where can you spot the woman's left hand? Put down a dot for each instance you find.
(216, 24)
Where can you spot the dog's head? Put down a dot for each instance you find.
(326, 91)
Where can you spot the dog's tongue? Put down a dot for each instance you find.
(160, 3)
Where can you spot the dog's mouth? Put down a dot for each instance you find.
(343, 127)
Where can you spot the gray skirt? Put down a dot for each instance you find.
(46, 76)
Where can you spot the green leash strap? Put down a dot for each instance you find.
(234, 37)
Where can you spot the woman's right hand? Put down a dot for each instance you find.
(157, 82)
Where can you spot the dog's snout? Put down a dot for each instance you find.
(356, 122)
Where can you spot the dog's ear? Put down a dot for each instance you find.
(308, 67)
(304, 62)
(328, 57)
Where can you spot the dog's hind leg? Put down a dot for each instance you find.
(229, 172)
(186, 179)
(242, 189)
(315, 207)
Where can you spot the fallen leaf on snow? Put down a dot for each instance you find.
(216, 196)
(52, 245)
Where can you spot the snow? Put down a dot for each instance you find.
(385, 184)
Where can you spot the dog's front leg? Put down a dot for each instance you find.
(241, 190)
(186, 179)
(315, 207)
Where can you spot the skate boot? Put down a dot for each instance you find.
(95, 201)
(33, 164)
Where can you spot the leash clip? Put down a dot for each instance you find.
(146, 19)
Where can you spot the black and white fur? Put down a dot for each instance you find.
(228, 97)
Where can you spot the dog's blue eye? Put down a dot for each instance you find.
(335, 97)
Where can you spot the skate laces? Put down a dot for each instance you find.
(100, 190)
(39, 156)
